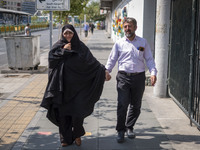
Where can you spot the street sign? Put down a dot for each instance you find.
(53, 5)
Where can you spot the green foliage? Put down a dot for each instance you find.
(79, 8)
(34, 19)
(93, 12)
(76, 8)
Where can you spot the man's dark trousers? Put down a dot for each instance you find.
(130, 89)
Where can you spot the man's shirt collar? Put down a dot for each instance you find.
(135, 39)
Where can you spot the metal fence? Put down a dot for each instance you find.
(184, 63)
(20, 28)
(195, 106)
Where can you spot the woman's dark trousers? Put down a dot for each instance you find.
(70, 128)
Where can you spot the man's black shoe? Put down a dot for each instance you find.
(120, 137)
(130, 133)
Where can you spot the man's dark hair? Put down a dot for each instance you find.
(28, 24)
(129, 19)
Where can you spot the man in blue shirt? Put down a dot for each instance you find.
(86, 28)
(131, 52)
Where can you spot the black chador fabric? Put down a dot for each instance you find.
(75, 82)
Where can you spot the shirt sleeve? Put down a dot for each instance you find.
(112, 59)
(149, 59)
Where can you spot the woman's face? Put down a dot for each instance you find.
(68, 35)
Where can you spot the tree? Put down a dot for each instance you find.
(76, 8)
(93, 12)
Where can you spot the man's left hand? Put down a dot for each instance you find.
(153, 80)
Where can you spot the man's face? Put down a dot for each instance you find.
(129, 29)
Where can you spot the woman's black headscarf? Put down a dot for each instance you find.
(75, 41)
(76, 79)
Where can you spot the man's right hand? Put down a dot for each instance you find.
(108, 76)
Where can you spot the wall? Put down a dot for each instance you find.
(108, 23)
(144, 12)
(149, 22)
(134, 9)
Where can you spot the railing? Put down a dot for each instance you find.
(17, 29)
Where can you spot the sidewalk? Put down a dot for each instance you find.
(161, 125)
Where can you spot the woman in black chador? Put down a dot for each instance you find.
(75, 84)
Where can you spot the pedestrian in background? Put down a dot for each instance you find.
(86, 28)
(28, 30)
(131, 52)
(75, 84)
(92, 27)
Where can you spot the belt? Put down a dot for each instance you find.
(130, 74)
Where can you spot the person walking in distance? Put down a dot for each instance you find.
(131, 52)
(86, 28)
(28, 30)
(75, 84)
(92, 27)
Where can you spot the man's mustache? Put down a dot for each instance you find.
(128, 30)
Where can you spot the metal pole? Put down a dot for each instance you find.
(72, 20)
(162, 46)
(191, 55)
(50, 27)
(84, 19)
(80, 27)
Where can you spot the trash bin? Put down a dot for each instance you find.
(23, 52)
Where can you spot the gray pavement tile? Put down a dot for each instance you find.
(151, 130)
(37, 129)
(87, 144)
(107, 133)
(111, 143)
(148, 124)
(145, 115)
(152, 141)
(44, 137)
(45, 123)
(117, 149)
(29, 148)
(36, 141)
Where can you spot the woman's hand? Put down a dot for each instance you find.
(67, 46)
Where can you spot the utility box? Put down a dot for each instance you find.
(23, 52)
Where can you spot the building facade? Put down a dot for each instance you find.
(19, 5)
(12, 4)
(29, 7)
